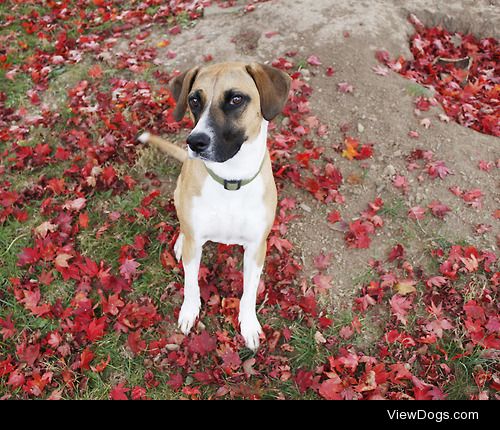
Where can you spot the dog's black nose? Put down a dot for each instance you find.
(198, 142)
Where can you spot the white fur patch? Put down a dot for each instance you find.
(144, 137)
(246, 161)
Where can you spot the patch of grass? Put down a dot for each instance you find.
(287, 390)
(416, 90)
(372, 328)
(153, 281)
(123, 367)
(395, 208)
(363, 278)
(15, 89)
(308, 353)
(302, 64)
(462, 385)
(184, 20)
(14, 236)
(149, 159)
(61, 79)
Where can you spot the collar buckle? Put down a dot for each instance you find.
(232, 185)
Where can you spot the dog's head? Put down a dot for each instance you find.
(228, 102)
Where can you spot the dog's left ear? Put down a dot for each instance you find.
(180, 87)
(273, 86)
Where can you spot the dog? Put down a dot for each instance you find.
(225, 192)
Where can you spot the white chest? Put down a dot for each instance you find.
(230, 217)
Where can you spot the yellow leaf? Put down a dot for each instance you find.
(405, 286)
(163, 43)
(350, 150)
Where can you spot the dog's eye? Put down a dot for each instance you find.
(236, 100)
(194, 102)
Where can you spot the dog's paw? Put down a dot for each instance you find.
(187, 316)
(178, 247)
(251, 331)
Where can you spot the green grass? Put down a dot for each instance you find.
(462, 383)
(395, 208)
(14, 236)
(363, 278)
(15, 89)
(416, 90)
(307, 352)
(123, 367)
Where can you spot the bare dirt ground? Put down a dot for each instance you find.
(380, 110)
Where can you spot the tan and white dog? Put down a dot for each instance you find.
(226, 191)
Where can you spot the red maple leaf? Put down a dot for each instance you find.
(473, 197)
(202, 343)
(438, 169)
(280, 244)
(416, 212)
(119, 392)
(345, 87)
(334, 216)
(304, 379)
(322, 261)
(322, 282)
(8, 329)
(313, 60)
(76, 204)
(358, 234)
(85, 358)
(397, 252)
(400, 307)
(28, 354)
(95, 329)
(102, 365)
(28, 256)
(438, 209)
(16, 379)
(95, 71)
(176, 381)
(437, 281)
(129, 268)
(332, 388)
(112, 304)
(135, 342)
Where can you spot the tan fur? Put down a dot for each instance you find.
(189, 185)
(167, 147)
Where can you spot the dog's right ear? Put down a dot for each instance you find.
(180, 87)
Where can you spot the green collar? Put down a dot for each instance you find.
(234, 184)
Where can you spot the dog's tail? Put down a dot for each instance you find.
(164, 146)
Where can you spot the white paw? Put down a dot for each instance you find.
(250, 330)
(178, 247)
(187, 316)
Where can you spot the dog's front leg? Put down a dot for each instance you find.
(191, 256)
(253, 262)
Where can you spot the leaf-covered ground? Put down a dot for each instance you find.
(89, 287)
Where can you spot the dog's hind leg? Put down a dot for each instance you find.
(253, 261)
(191, 256)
